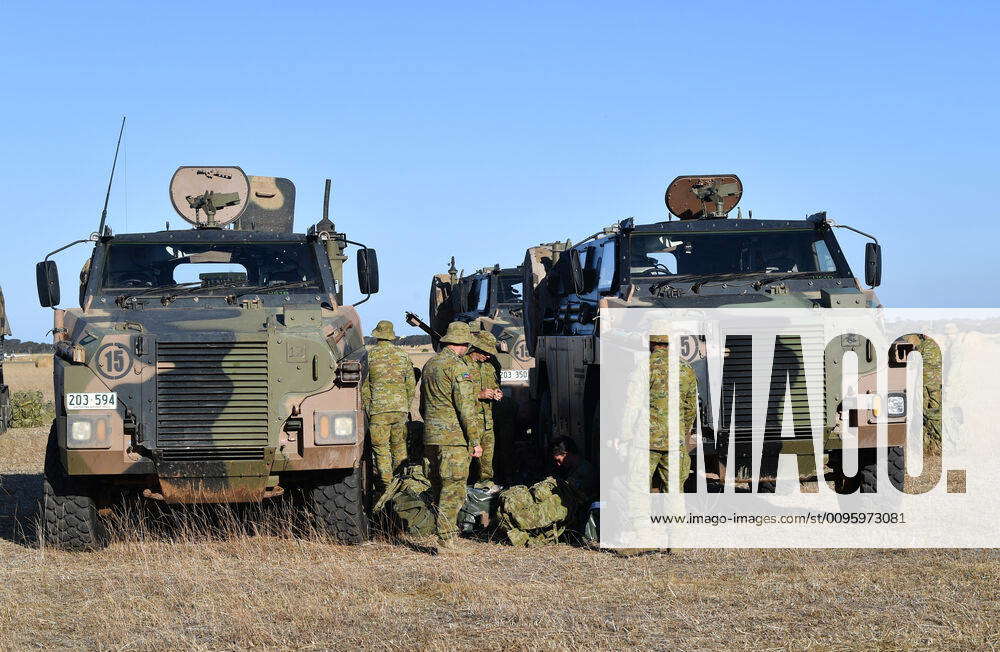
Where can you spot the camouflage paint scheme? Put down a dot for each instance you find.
(271, 359)
(562, 335)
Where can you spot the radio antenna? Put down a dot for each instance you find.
(107, 196)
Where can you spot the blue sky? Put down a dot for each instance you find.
(478, 129)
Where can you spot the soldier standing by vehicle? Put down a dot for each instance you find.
(387, 394)
(482, 356)
(659, 414)
(452, 427)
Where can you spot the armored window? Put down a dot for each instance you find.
(482, 295)
(654, 255)
(509, 289)
(824, 261)
(606, 268)
(590, 269)
(210, 265)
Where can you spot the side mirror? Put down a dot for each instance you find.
(367, 271)
(47, 279)
(576, 272)
(873, 264)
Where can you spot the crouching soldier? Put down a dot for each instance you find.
(386, 394)
(452, 429)
(541, 514)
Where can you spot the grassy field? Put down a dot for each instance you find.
(30, 372)
(223, 582)
(230, 586)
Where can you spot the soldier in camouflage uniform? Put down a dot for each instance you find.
(386, 395)
(540, 514)
(931, 354)
(452, 427)
(481, 354)
(659, 417)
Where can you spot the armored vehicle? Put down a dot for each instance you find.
(211, 364)
(704, 259)
(5, 409)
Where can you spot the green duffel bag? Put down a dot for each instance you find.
(409, 497)
(532, 516)
(478, 502)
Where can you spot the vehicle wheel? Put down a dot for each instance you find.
(337, 504)
(543, 427)
(867, 477)
(70, 519)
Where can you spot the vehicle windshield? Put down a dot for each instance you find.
(149, 266)
(509, 289)
(764, 252)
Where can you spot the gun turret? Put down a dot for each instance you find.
(210, 202)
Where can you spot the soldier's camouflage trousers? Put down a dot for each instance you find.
(659, 472)
(388, 435)
(485, 463)
(449, 475)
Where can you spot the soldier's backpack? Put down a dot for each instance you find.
(409, 497)
(532, 516)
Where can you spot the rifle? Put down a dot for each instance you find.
(417, 322)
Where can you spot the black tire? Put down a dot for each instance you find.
(866, 479)
(70, 518)
(337, 504)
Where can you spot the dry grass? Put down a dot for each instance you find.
(28, 373)
(193, 586)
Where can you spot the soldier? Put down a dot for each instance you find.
(659, 418)
(540, 514)
(387, 394)
(452, 427)
(481, 354)
(576, 473)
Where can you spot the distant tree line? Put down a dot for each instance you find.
(13, 345)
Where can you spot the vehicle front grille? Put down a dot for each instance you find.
(221, 454)
(211, 395)
(789, 375)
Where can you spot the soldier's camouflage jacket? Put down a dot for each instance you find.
(659, 414)
(487, 379)
(448, 401)
(931, 354)
(390, 385)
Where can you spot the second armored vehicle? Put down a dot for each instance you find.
(703, 260)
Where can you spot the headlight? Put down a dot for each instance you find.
(335, 428)
(896, 405)
(88, 431)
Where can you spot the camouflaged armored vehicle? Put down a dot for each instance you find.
(704, 259)
(5, 409)
(211, 364)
